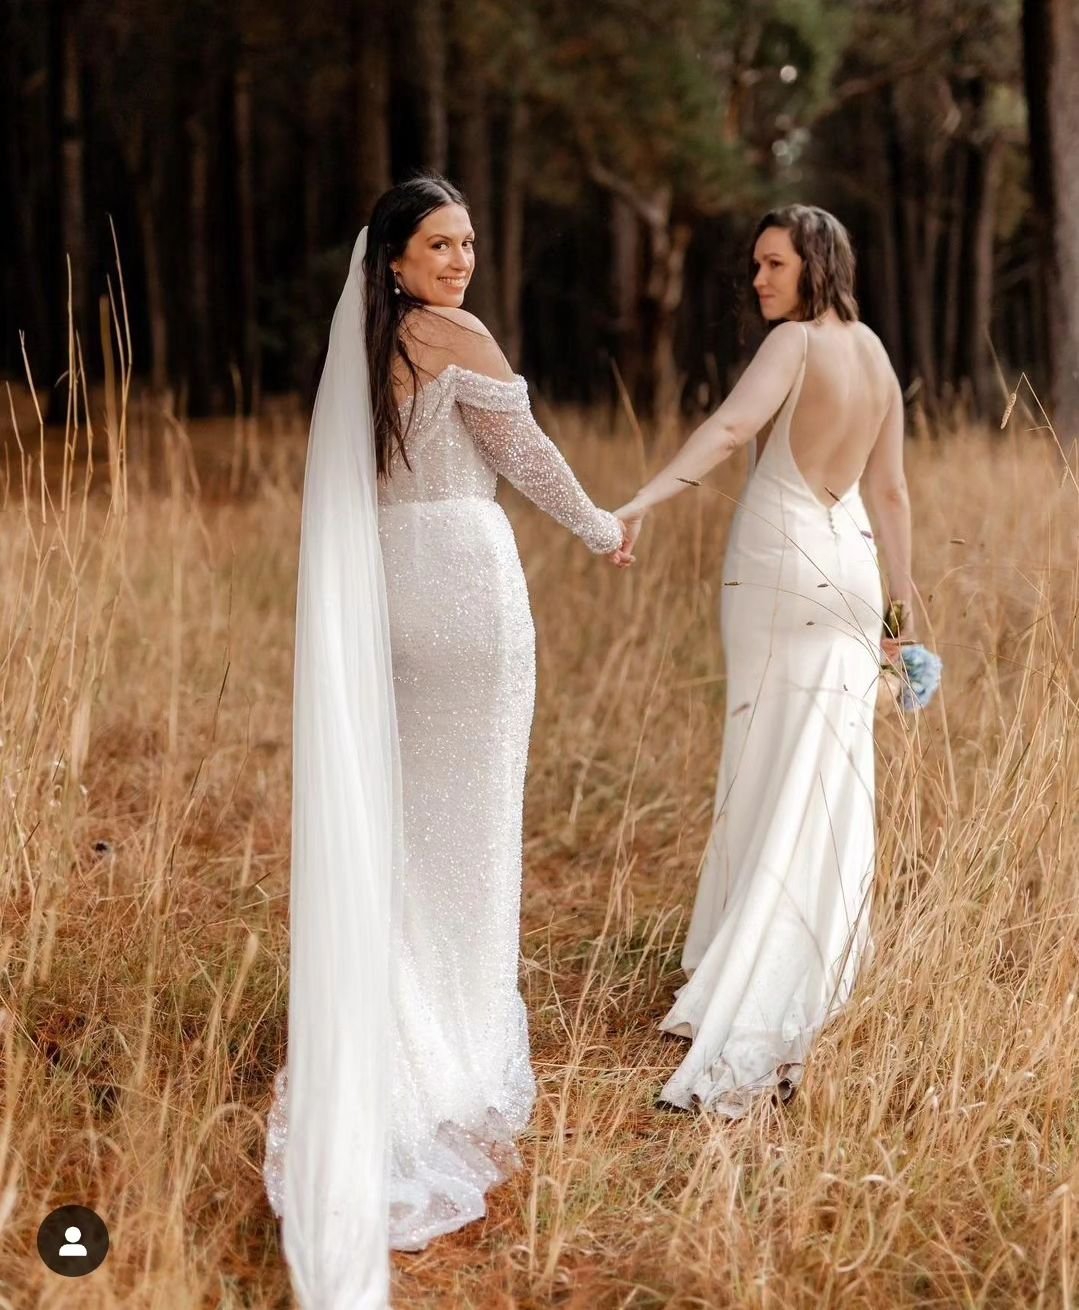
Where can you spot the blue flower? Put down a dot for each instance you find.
(922, 669)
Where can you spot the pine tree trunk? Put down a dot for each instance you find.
(21, 176)
(887, 270)
(9, 226)
(146, 195)
(429, 32)
(472, 137)
(245, 196)
(667, 245)
(513, 224)
(72, 197)
(372, 64)
(918, 293)
(904, 359)
(199, 263)
(950, 367)
(1051, 55)
(625, 231)
(917, 178)
(983, 232)
(310, 178)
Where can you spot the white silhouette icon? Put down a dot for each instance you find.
(73, 1246)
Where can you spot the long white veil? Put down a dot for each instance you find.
(345, 839)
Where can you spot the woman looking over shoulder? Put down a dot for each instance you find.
(442, 378)
(780, 924)
(409, 1074)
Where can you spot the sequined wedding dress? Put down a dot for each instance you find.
(462, 641)
(780, 924)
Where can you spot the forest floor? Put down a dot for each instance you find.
(145, 676)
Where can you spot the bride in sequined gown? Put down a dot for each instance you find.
(464, 676)
(780, 925)
(453, 417)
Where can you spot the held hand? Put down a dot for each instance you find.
(897, 632)
(631, 519)
(891, 648)
(621, 558)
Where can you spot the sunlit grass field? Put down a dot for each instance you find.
(145, 677)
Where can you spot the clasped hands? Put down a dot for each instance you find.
(631, 519)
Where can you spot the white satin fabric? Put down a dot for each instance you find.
(780, 924)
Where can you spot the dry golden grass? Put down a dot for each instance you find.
(145, 637)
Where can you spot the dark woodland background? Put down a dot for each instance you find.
(616, 155)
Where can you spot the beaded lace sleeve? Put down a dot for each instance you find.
(499, 419)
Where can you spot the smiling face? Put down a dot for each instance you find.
(437, 263)
(778, 270)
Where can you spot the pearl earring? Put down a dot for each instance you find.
(396, 284)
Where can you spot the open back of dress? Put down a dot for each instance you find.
(781, 919)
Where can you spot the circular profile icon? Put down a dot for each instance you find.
(73, 1240)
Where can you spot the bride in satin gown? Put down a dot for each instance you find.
(449, 416)
(780, 925)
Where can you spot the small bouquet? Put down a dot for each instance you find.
(921, 668)
(921, 677)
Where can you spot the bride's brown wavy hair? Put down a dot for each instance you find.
(827, 279)
(396, 215)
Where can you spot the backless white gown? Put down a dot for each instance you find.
(780, 924)
(463, 651)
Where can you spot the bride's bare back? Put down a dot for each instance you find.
(847, 393)
(847, 428)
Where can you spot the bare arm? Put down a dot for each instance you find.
(884, 484)
(759, 393)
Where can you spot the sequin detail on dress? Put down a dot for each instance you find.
(464, 682)
(468, 428)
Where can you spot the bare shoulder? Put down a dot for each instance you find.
(787, 335)
(882, 381)
(871, 343)
(442, 335)
(875, 356)
(442, 327)
(454, 320)
(865, 334)
(784, 345)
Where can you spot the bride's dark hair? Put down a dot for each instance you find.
(396, 215)
(827, 280)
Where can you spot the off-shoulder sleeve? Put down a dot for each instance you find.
(499, 418)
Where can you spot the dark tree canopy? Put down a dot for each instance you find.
(615, 154)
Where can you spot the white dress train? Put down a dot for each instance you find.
(463, 654)
(780, 924)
